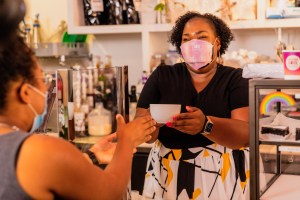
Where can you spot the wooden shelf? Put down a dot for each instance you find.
(152, 38)
(266, 24)
(106, 29)
(156, 28)
(119, 29)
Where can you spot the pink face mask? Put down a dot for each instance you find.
(197, 53)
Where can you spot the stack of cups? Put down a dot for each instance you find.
(291, 63)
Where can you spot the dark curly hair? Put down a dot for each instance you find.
(16, 63)
(220, 27)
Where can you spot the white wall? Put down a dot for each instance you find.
(264, 41)
(123, 49)
(51, 13)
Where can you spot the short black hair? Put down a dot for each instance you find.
(221, 29)
(16, 63)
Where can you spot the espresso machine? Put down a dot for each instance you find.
(88, 100)
(82, 100)
(54, 56)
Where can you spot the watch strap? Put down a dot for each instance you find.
(205, 121)
(208, 127)
(93, 157)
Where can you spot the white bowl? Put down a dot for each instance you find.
(163, 113)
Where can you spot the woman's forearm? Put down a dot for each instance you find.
(231, 133)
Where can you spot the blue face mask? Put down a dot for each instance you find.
(38, 119)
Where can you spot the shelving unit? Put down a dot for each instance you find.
(153, 37)
(270, 169)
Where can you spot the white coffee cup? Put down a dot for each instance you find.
(163, 113)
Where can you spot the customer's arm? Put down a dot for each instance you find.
(140, 112)
(49, 167)
(104, 149)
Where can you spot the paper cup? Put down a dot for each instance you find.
(291, 63)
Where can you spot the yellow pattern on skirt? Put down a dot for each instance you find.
(200, 173)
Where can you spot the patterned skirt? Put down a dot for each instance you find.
(213, 172)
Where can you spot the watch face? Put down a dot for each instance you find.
(208, 127)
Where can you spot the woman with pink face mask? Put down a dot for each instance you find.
(36, 166)
(201, 153)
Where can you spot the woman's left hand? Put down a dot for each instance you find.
(191, 122)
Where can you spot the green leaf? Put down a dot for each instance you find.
(159, 7)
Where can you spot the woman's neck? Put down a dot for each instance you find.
(200, 80)
(6, 124)
(204, 76)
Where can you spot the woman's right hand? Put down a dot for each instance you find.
(137, 131)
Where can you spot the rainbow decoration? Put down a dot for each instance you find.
(270, 99)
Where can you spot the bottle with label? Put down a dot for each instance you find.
(99, 121)
(114, 12)
(27, 33)
(130, 14)
(141, 83)
(102, 80)
(155, 61)
(86, 106)
(63, 125)
(172, 56)
(90, 88)
(36, 35)
(124, 12)
(144, 77)
(94, 12)
(79, 116)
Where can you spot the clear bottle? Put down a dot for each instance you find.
(109, 101)
(79, 116)
(36, 34)
(107, 61)
(155, 61)
(90, 88)
(172, 57)
(99, 121)
(27, 33)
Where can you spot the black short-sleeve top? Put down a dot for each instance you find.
(226, 91)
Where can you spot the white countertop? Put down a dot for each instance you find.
(94, 139)
(285, 187)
